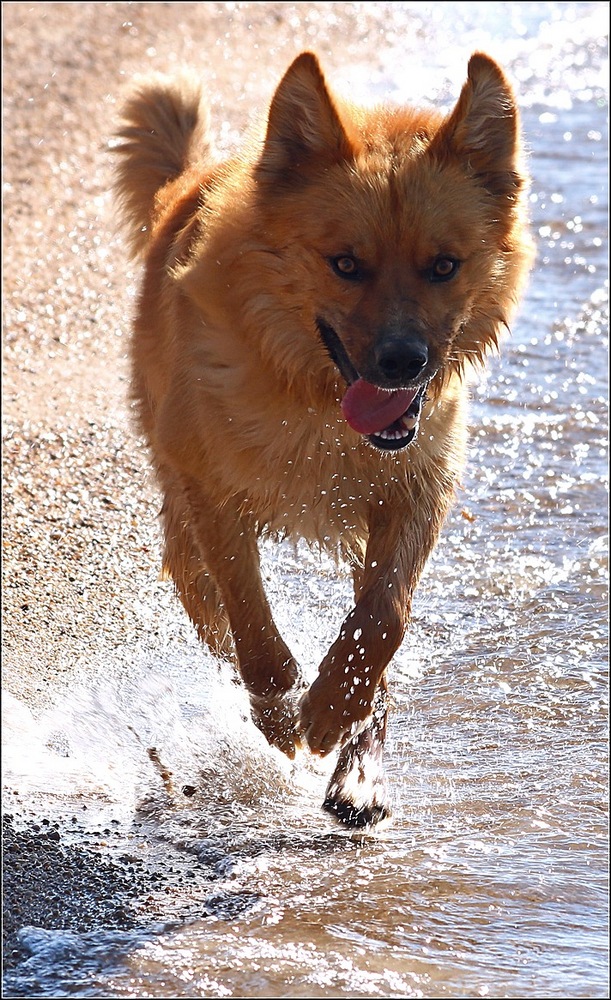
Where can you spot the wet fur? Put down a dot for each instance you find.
(238, 393)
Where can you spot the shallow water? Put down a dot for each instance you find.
(491, 880)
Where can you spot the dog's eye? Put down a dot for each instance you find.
(346, 267)
(443, 269)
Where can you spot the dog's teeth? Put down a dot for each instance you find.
(406, 424)
(390, 435)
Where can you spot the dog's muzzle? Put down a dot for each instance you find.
(387, 418)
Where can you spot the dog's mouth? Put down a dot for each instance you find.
(388, 418)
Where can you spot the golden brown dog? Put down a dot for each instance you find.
(306, 317)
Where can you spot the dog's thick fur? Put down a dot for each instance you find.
(348, 260)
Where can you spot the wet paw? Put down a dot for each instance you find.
(357, 794)
(276, 715)
(345, 811)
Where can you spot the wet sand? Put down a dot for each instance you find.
(50, 885)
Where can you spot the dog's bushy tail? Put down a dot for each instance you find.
(164, 129)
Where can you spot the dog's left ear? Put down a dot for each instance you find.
(483, 128)
(304, 128)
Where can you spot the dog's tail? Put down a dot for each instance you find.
(165, 125)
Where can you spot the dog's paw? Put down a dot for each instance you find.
(357, 815)
(276, 715)
(357, 794)
(330, 714)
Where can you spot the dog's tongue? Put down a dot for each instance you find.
(370, 410)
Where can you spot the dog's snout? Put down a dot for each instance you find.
(400, 360)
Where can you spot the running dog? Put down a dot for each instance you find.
(309, 312)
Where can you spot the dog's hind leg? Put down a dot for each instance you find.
(357, 793)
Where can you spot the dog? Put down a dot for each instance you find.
(309, 312)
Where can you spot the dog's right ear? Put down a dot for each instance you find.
(303, 127)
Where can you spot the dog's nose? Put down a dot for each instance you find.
(399, 359)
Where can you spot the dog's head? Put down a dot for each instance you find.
(400, 235)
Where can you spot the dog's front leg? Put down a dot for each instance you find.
(357, 794)
(228, 543)
(339, 702)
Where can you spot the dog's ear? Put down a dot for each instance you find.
(303, 128)
(483, 128)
